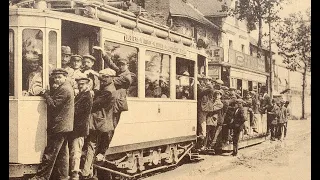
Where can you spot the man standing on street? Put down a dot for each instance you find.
(60, 105)
(82, 109)
(238, 124)
(266, 105)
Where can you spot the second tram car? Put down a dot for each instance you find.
(158, 130)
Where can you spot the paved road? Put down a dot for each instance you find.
(286, 160)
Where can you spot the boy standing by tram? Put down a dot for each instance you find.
(82, 109)
(60, 104)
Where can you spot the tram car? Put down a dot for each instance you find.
(156, 132)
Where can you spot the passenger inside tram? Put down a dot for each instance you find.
(32, 81)
(157, 76)
(185, 79)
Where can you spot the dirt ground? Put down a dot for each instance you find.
(286, 160)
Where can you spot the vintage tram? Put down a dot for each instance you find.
(156, 132)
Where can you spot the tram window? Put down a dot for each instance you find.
(118, 51)
(11, 63)
(32, 52)
(201, 65)
(185, 79)
(157, 78)
(52, 50)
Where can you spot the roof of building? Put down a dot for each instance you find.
(185, 9)
(211, 8)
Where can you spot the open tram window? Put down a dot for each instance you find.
(157, 78)
(32, 62)
(201, 65)
(118, 51)
(11, 63)
(185, 79)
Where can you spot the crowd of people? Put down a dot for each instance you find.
(223, 111)
(84, 108)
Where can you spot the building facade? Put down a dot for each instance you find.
(240, 67)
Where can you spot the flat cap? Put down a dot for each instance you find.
(239, 100)
(107, 72)
(219, 81)
(65, 50)
(76, 56)
(122, 60)
(59, 71)
(224, 88)
(217, 91)
(89, 57)
(82, 76)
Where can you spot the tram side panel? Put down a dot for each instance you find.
(27, 131)
(147, 122)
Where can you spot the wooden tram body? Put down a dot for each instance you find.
(155, 133)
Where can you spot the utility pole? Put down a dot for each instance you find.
(271, 61)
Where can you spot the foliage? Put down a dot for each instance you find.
(255, 12)
(293, 38)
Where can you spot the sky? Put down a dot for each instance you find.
(292, 6)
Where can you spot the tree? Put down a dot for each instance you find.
(256, 12)
(293, 38)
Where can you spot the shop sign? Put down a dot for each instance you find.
(215, 53)
(244, 60)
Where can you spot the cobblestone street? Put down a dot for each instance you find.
(289, 159)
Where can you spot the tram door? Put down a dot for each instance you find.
(81, 38)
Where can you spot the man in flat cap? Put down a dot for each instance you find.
(214, 120)
(88, 62)
(65, 59)
(217, 84)
(76, 63)
(122, 81)
(282, 120)
(238, 124)
(60, 105)
(101, 127)
(82, 109)
(33, 83)
(266, 106)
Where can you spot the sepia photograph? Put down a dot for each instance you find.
(159, 89)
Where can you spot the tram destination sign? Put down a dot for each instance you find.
(155, 43)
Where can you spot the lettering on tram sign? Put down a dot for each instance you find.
(154, 43)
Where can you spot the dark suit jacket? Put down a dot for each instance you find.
(122, 83)
(60, 109)
(82, 109)
(103, 101)
(239, 118)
